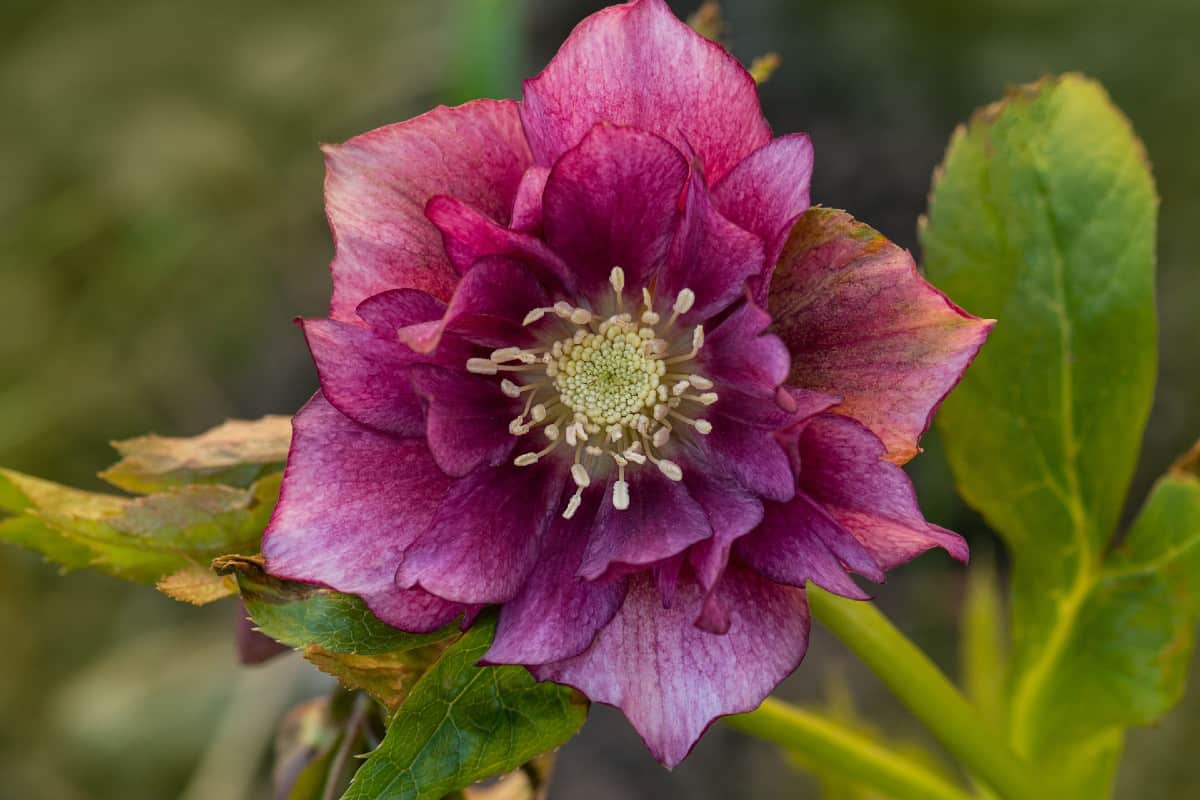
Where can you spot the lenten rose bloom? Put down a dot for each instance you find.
(562, 373)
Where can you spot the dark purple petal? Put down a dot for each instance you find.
(485, 539)
(662, 520)
(466, 421)
(798, 542)
(843, 467)
(469, 236)
(613, 200)
(751, 456)
(637, 64)
(710, 255)
(366, 376)
(861, 323)
(388, 312)
(767, 191)
(737, 354)
(556, 614)
(377, 185)
(352, 500)
(527, 208)
(671, 678)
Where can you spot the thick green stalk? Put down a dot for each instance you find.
(927, 693)
(834, 745)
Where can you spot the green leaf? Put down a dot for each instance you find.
(1043, 216)
(301, 614)
(142, 539)
(984, 644)
(463, 722)
(237, 453)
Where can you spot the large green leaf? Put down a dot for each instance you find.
(464, 722)
(1043, 216)
(142, 539)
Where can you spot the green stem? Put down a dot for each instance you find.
(834, 745)
(927, 693)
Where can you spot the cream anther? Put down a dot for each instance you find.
(482, 366)
(620, 498)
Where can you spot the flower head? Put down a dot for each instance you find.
(562, 373)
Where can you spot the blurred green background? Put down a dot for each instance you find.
(161, 224)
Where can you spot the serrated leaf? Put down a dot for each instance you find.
(196, 585)
(1043, 215)
(237, 453)
(141, 539)
(388, 677)
(301, 614)
(463, 722)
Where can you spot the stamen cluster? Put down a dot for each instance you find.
(611, 389)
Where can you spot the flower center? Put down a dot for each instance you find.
(611, 390)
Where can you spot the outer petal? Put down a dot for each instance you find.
(365, 375)
(662, 521)
(861, 323)
(671, 678)
(613, 200)
(842, 466)
(487, 534)
(350, 503)
(556, 614)
(377, 185)
(638, 65)
(710, 255)
(768, 190)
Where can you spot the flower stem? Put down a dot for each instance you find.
(834, 745)
(927, 693)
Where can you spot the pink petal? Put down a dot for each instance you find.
(366, 376)
(843, 467)
(352, 500)
(861, 323)
(673, 679)
(710, 255)
(388, 312)
(556, 614)
(466, 418)
(470, 235)
(377, 185)
(662, 520)
(613, 200)
(527, 208)
(637, 64)
(486, 537)
(767, 191)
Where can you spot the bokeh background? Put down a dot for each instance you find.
(161, 224)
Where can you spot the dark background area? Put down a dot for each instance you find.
(161, 223)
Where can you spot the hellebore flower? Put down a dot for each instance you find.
(558, 375)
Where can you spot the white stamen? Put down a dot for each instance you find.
(620, 497)
(697, 339)
(670, 469)
(650, 317)
(533, 316)
(538, 412)
(572, 505)
(661, 437)
(581, 316)
(684, 302)
(510, 389)
(700, 382)
(525, 459)
(617, 279)
(482, 366)
(703, 427)
(506, 354)
(579, 474)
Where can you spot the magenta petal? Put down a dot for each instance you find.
(414, 610)
(738, 354)
(556, 614)
(352, 500)
(710, 255)
(470, 236)
(466, 418)
(662, 520)
(861, 323)
(843, 467)
(613, 200)
(388, 312)
(366, 376)
(767, 191)
(671, 678)
(487, 534)
(637, 64)
(793, 545)
(377, 186)
(527, 208)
